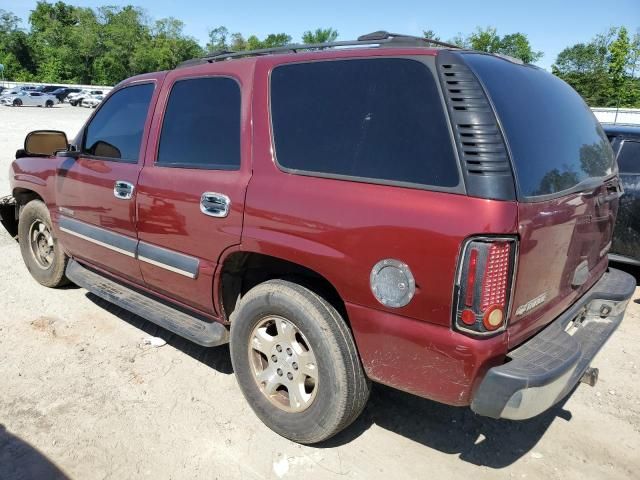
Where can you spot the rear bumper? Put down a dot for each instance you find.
(542, 371)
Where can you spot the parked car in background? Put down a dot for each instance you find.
(422, 217)
(92, 101)
(47, 88)
(625, 140)
(27, 88)
(76, 99)
(63, 92)
(29, 98)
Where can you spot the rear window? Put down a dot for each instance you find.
(371, 119)
(555, 140)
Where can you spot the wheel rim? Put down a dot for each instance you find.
(283, 364)
(41, 243)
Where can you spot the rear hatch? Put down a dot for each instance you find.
(566, 185)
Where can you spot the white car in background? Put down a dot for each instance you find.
(92, 101)
(28, 98)
(77, 98)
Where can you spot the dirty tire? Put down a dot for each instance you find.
(343, 389)
(17, 102)
(49, 104)
(53, 276)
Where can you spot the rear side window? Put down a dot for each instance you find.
(629, 157)
(555, 141)
(116, 130)
(201, 126)
(377, 119)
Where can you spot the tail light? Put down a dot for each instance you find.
(483, 286)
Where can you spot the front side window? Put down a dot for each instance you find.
(116, 130)
(629, 157)
(201, 126)
(370, 119)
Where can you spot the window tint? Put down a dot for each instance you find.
(629, 157)
(201, 127)
(116, 130)
(555, 140)
(378, 119)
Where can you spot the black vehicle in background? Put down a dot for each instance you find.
(625, 140)
(47, 88)
(62, 93)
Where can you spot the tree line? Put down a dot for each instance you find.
(69, 44)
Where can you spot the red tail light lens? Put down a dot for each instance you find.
(483, 285)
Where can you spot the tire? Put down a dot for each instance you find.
(49, 103)
(47, 270)
(340, 391)
(17, 102)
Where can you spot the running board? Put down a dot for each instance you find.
(207, 334)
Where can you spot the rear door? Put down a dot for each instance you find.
(192, 188)
(626, 237)
(95, 193)
(567, 189)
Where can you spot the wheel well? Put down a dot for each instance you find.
(10, 209)
(24, 196)
(244, 270)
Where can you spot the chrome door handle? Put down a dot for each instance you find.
(123, 190)
(215, 204)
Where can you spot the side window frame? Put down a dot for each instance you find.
(111, 94)
(429, 64)
(619, 152)
(188, 166)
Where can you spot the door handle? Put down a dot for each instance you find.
(215, 204)
(123, 190)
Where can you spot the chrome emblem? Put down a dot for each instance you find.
(531, 304)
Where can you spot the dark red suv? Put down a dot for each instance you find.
(434, 219)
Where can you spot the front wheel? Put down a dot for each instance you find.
(296, 362)
(49, 104)
(17, 102)
(41, 252)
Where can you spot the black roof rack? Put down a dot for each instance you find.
(380, 38)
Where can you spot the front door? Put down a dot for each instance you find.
(191, 189)
(95, 193)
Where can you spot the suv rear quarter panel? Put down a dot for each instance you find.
(341, 229)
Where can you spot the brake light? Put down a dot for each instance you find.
(483, 285)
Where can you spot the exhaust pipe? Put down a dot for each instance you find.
(590, 377)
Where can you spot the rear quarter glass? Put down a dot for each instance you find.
(377, 119)
(554, 139)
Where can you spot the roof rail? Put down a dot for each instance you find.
(380, 38)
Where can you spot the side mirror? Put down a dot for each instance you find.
(45, 142)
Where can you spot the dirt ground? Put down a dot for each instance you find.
(81, 397)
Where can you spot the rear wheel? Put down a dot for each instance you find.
(41, 252)
(17, 102)
(296, 362)
(49, 104)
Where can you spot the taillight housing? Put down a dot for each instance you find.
(483, 285)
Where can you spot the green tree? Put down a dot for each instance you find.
(619, 61)
(485, 40)
(320, 35)
(517, 45)
(15, 50)
(604, 71)
(218, 39)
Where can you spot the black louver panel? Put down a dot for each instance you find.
(480, 144)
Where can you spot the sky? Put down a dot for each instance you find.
(550, 25)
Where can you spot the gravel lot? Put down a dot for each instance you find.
(81, 397)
